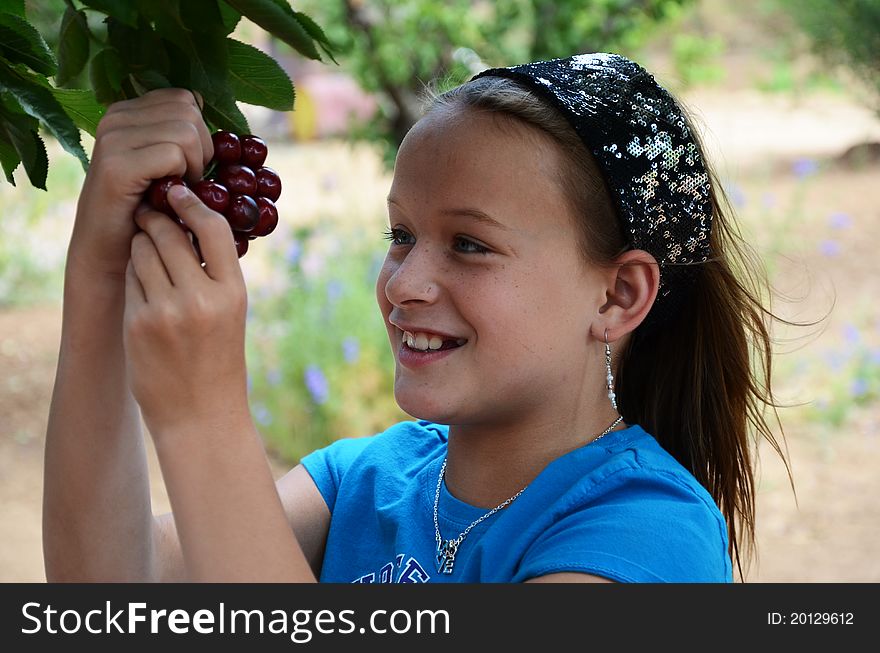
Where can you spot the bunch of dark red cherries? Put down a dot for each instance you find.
(236, 184)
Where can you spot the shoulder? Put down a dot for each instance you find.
(625, 509)
(631, 465)
(424, 435)
(401, 449)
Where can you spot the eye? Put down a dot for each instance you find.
(396, 236)
(467, 246)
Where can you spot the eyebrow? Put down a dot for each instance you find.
(467, 212)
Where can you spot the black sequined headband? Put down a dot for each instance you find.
(641, 141)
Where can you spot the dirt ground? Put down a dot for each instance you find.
(830, 534)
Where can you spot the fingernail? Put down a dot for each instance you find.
(178, 192)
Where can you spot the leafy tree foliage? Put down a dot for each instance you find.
(844, 32)
(394, 47)
(109, 50)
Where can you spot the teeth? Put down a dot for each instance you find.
(424, 341)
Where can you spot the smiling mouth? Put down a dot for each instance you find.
(423, 342)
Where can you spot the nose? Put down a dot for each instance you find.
(413, 279)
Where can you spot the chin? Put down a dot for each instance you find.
(418, 406)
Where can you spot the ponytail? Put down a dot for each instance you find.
(701, 383)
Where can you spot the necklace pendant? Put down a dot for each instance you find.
(446, 556)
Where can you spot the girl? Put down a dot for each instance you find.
(567, 327)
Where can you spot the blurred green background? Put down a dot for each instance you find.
(787, 97)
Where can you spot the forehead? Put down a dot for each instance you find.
(480, 158)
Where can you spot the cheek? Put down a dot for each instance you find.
(381, 281)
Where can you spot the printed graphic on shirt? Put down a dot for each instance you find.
(397, 572)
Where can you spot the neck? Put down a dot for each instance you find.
(489, 464)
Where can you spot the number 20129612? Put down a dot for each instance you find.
(810, 618)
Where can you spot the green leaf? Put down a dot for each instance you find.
(278, 21)
(81, 106)
(15, 7)
(29, 147)
(314, 30)
(9, 158)
(230, 18)
(123, 10)
(73, 46)
(106, 73)
(39, 102)
(20, 42)
(197, 60)
(224, 114)
(256, 78)
(139, 49)
(148, 80)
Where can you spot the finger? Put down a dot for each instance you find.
(154, 97)
(200, 101)
(187, 136)
(134, 170)
(153, 114)
(173, 246)
(148, 267)
(177, 132)
(134, 291)
(212, 231)
(143, 207)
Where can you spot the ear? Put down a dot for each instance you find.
(632, 290)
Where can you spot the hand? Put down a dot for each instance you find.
(160, 133)
(184, 325)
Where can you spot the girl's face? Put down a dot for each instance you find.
(484, 264)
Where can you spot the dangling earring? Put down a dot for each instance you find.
(609, 377)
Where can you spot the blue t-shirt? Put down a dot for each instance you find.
(620, 507)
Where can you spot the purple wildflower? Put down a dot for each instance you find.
(317, 385)
(803, 168)
(829, 248)
(840, 221)
(350, 349)
(262, 415)
(859, 388)
(851, 334)
(294, 252)
(335, 289)
(834, 359)
(737, 196)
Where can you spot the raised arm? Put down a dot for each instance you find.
(97, 520)
(183, 337)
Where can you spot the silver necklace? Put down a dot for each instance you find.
(447, 549)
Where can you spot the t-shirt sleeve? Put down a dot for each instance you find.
(636, 527)
(328, 465)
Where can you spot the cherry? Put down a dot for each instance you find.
(213, 195)
(253, 151)
(238, 179)
(241, 242)
(268, 217)
(242, 213)
(236, 184)
(227, 147)
(268, 183)
(158, 191)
